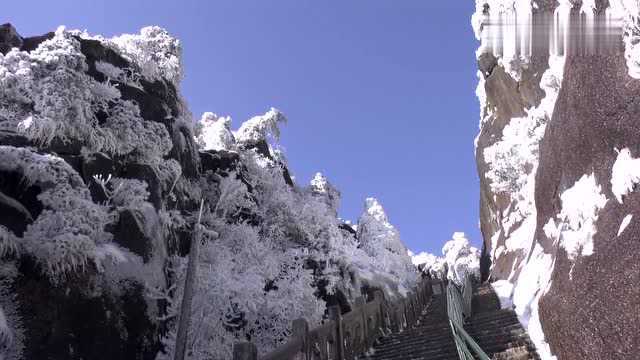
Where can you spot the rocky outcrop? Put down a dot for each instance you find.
(556, 139)
(85, 292)
(590, 309)
(101, 179)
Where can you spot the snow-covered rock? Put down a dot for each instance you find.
(101, 178)
(558, 199)
(461, 258)
(381, 240)
(213, 132)
(321, 187)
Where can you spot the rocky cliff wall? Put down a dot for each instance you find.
(557, 145)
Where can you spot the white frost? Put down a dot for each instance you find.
(213, 132)
(261, 127)
(380, 240)
(534, 281)
(580, 206)
(322, 188)
(625, 222)
(625, 174)
(154, 51)
(65, 235)
(629, 10)
(461, 258)
(504, 291)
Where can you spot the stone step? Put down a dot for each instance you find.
(501, 313)
(427, 328)
(518, 353)
(497, 331)
(489, 328)
(416, 352)
(417, 342)
(413, 337)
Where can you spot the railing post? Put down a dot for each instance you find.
(334, 313)
(378, 296)
(360, 304)
(245, 351)
(407, 311)
(301, 330)
(412, 306)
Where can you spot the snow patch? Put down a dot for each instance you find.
(504, 291)
(534, 281)
(580, 206)
(625, 174)
(423, 258)
(625, 222)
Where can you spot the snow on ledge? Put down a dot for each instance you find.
(625, 222)
(575, 224)
(625, 174)
(504, 290)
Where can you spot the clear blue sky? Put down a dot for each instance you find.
(380, 94)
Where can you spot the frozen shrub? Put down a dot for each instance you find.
(213, 132)
(461, 258)
(47, 94)
(64, 236)
(260, 128)
(154, 52)
(380, 240)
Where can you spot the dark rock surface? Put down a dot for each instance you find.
(79, 319)
(9, 38)
(148, 174)
(594, 313)
(94, 313)
(218, 160)
(137, 230)
(19, 204)
(14, 215)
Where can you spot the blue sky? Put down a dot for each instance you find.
(380, 95)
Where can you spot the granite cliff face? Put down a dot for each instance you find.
(556, 157)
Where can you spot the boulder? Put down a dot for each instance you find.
(9, 38)
(19, 204)
(147, 173)
(81, 318)
(138, 230)
(31, 43)
(215, 160)
(14, 216)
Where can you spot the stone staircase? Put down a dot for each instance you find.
(429, 339)
(497, 331)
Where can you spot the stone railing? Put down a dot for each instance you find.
(459, 308)
(346, 336)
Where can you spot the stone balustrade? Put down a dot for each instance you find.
(345, 336)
